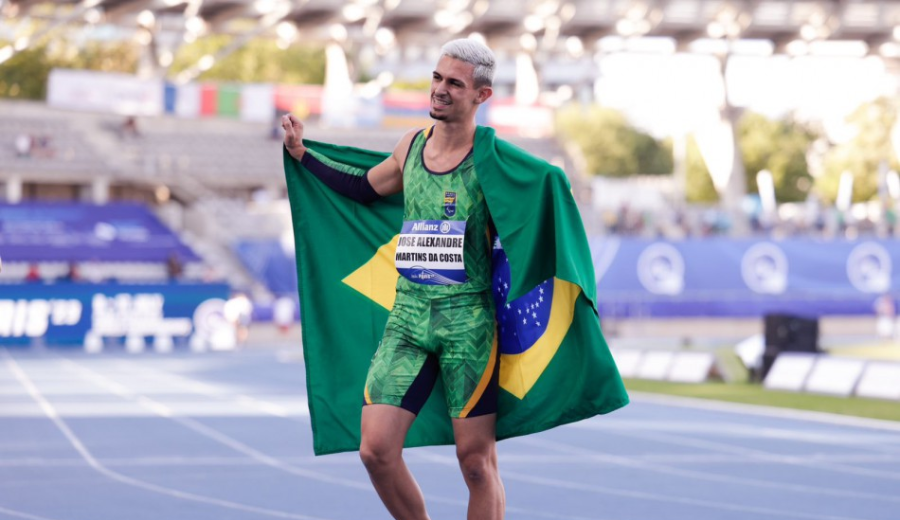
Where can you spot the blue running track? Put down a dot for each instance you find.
(226, 436)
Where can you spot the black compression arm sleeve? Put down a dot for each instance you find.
(356, 187)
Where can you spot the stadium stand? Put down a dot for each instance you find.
(66, 241)
(270, 262)
(56, 151)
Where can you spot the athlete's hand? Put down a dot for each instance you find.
(293, 135)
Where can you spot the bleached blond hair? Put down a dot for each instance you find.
(475, 53)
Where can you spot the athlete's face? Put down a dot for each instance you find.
(454, 96)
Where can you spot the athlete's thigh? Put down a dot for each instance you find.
(475, 434)
(469, 360)
(403, 372)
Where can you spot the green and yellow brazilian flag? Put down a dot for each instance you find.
(555, 368)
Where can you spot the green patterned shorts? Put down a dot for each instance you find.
(454, 337)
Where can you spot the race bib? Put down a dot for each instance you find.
(430, 252)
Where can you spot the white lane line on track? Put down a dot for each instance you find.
(864, 447)
(211, 433)
(724, 447)
(653, 497)
(76, 443)
(641, 495)
(766, 411)
(424, 454)
(19, 514)
(700, 475)
(815, 433)
(508, 459)
(281, 465)
(213, 391)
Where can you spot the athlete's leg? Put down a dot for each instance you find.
(384, 429)
(470, 370)
(476, 449)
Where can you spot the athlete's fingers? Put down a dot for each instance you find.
(291, 120)
(293, 128)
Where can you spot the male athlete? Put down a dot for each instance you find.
(443, 320)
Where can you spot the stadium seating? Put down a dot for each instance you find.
(64, 241)
(66, 155)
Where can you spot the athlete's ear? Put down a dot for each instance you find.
(484, 93)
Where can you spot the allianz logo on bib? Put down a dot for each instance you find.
(424, 226)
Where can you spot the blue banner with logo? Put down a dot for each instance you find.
(75, 232)
(725, 277)
(73, 313)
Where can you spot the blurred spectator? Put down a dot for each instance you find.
(886, 314)
(34, 273)
(129, 128)
(24, 144)
(283, 313)
(275, 133)
(41, 147)
(72, 275)
(239, 311)
(890, 220)
(174, 267)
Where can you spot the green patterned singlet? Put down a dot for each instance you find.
(429, 196)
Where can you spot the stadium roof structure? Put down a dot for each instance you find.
(567, 25)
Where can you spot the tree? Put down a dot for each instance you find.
(106, 57)
(259, 61)
(863, 154)
(24, 76)
(611, 146)
(780, 147)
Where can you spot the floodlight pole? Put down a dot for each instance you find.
(732, 196)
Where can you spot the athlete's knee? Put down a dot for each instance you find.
(477, 463)
(376, 454)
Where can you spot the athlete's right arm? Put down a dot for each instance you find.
(384, 179)
(387, 177)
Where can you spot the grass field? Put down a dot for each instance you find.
(749, 393)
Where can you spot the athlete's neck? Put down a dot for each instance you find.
(447, 138)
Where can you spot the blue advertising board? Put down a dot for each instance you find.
(76, 232)
(69, 313)
(728, 277)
